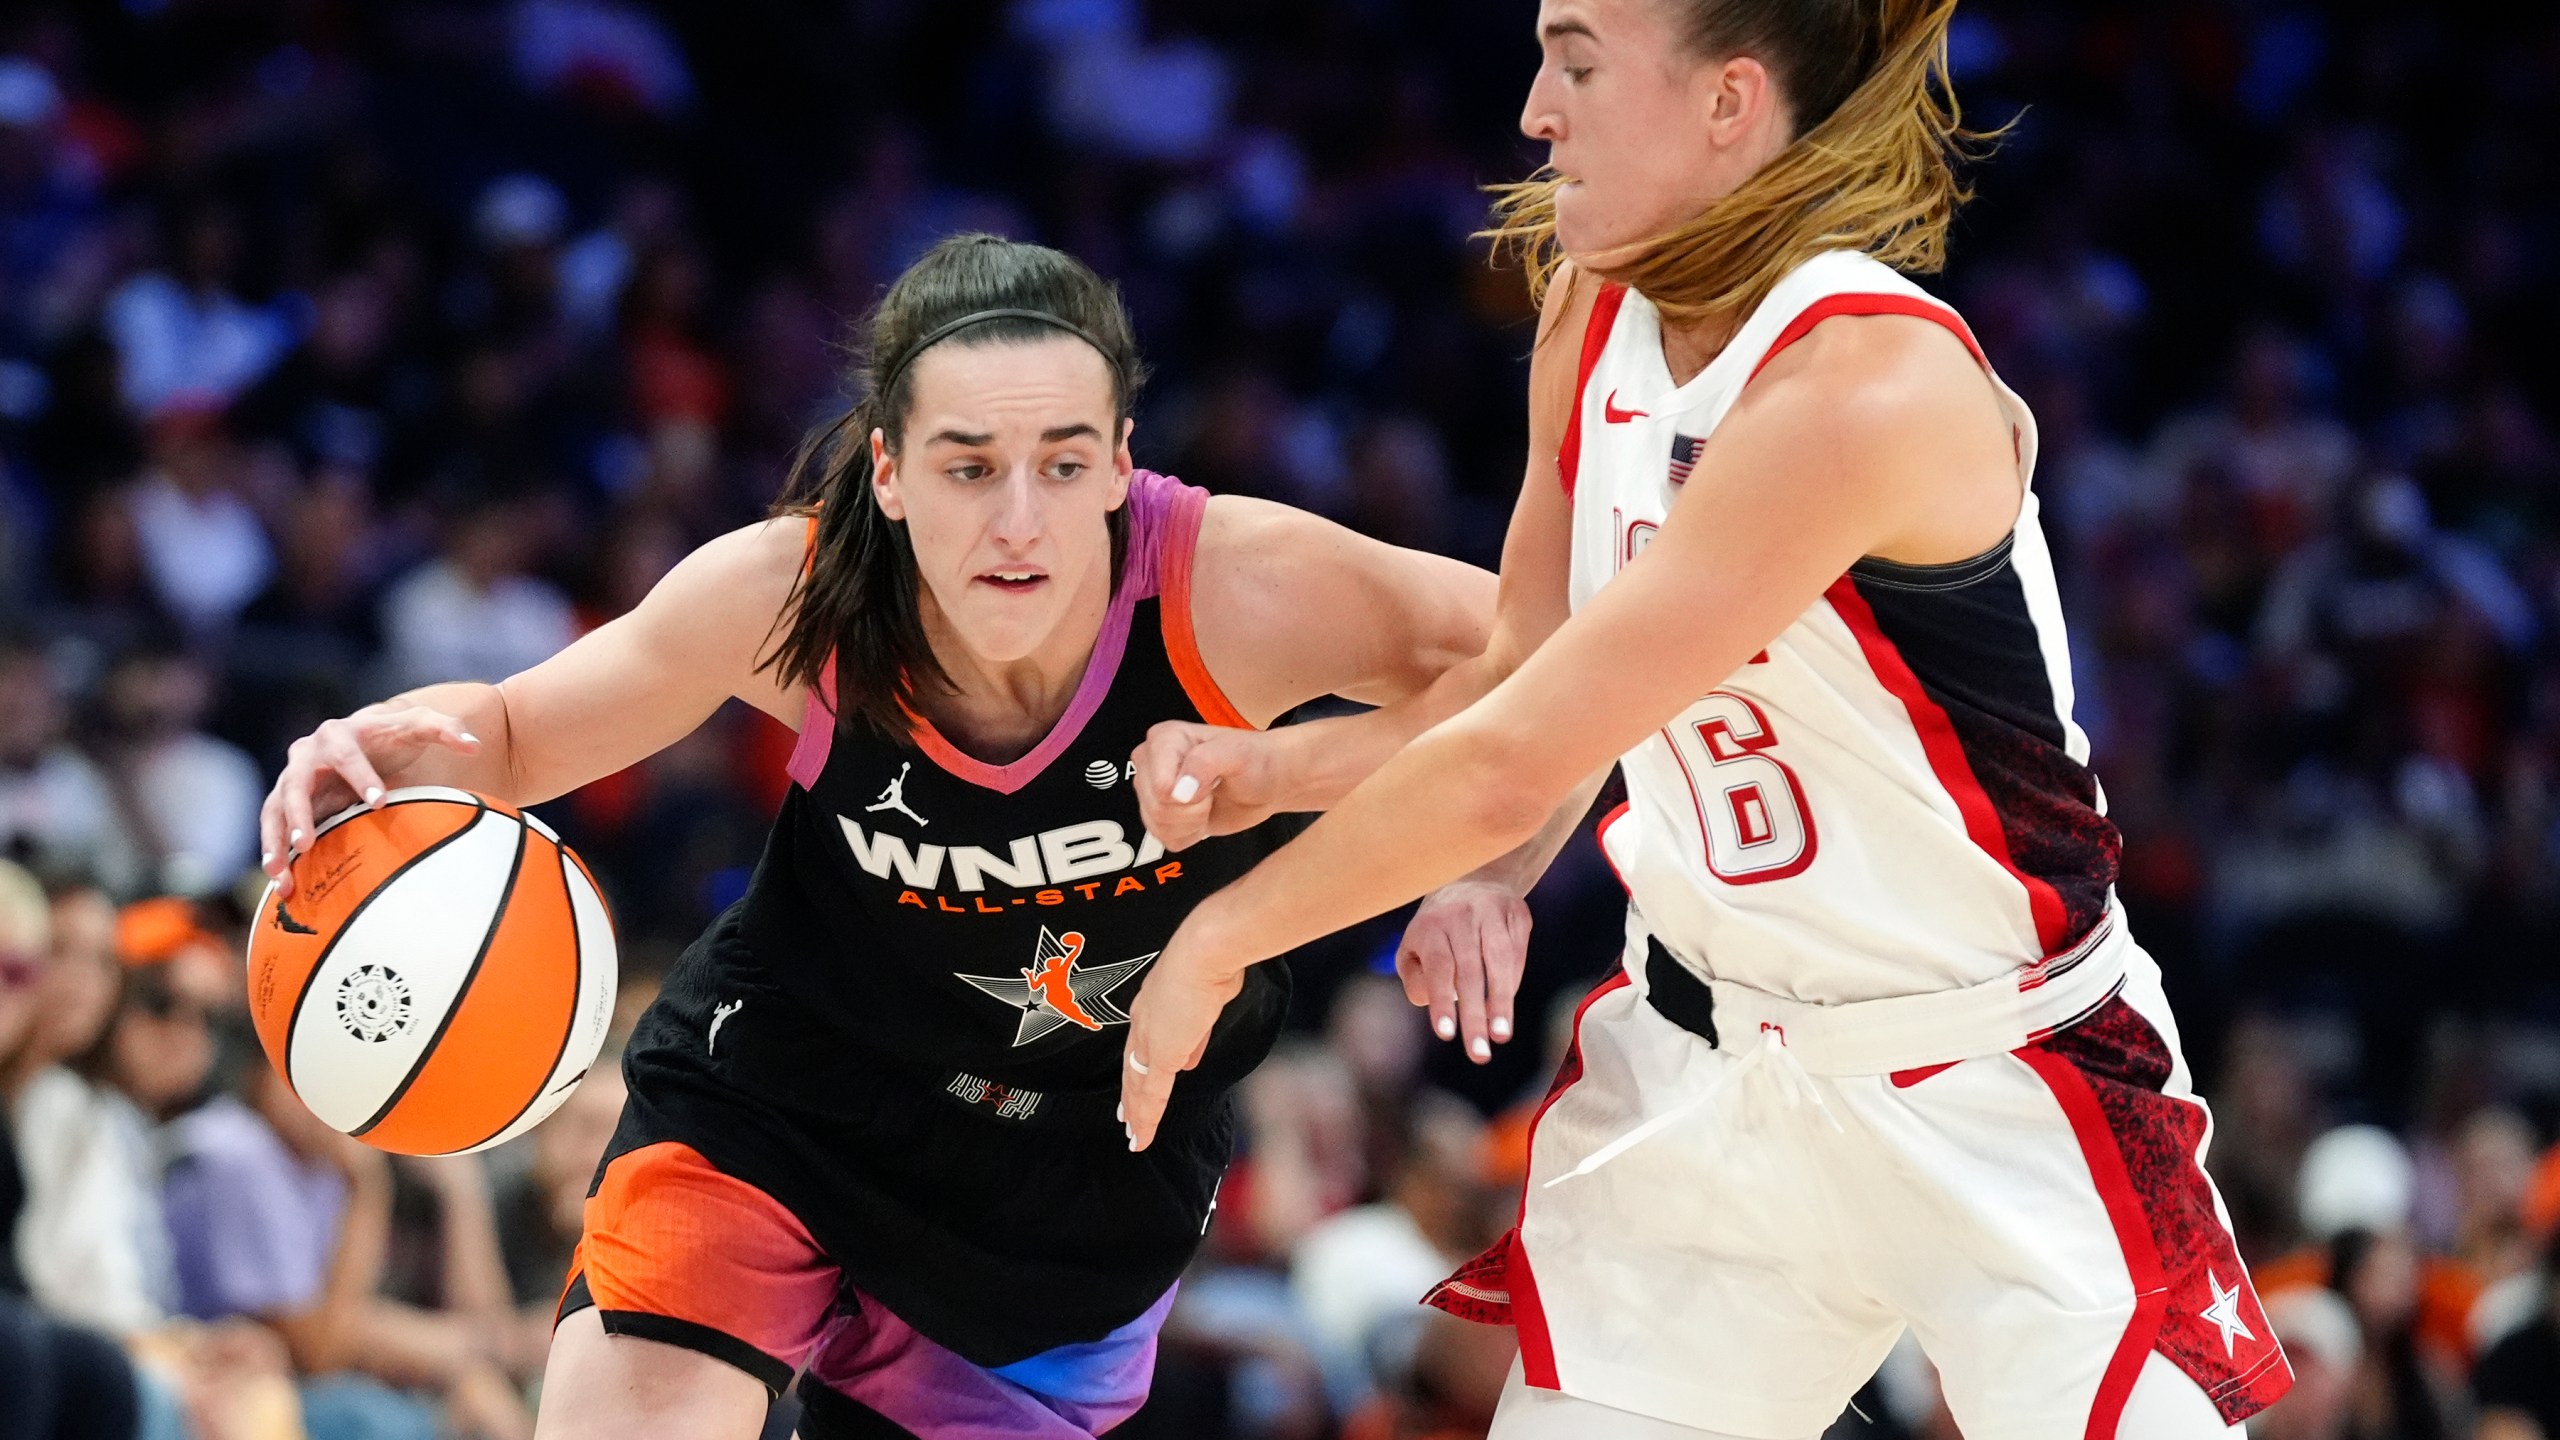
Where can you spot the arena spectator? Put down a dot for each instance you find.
(193, 798)
(56, 1382)
(56, 807)
(541, 1210)
(91, 1244)
(475, 612)
(275, 1217)
(2519, 1380)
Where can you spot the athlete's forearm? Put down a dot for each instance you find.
(482, 709)
(1319, 763)
(1439, 809)
(1520, 870)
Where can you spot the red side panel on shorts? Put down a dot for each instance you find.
(675, 1250)
(2195, 1304)
(1497, 1287)
(1595, 341)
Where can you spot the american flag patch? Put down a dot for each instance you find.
(1684, 457)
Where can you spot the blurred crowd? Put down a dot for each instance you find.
(346, 346)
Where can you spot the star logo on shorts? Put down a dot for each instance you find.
(1055, 990)
(2224, 1313)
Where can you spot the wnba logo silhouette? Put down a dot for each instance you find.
(893, 796)
(1057, 988)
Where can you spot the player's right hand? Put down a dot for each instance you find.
(1195, 781)
(341, 764)
(1462, 956)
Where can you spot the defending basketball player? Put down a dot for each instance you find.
(1882, 1053)
(870, 1137)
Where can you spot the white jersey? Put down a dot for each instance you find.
(1892, 799)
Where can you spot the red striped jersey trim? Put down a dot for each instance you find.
(1947, 758)
(1830, 306)
(1595, 341)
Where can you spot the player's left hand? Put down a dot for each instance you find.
(1178, 1004)
(1196, 781)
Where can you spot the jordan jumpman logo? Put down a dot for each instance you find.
(893, 796)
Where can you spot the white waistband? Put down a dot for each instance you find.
(1912, 1032)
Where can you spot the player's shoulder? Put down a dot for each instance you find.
(751, 564)
(1873, 368)
(1564, 312)
(1252, 541)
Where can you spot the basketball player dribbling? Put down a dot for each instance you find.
(1882, 1054)
(870, 1136)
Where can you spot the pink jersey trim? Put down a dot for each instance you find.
(817, 730)
(1154, 501)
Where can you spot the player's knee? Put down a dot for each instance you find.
(607, 1387)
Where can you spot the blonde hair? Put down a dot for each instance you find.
(26, 920)
(1875, 173)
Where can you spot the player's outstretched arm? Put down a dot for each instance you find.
(1468, 943)
(614, 697)
(1872, 436)
(1288, 607)
(1329, 639)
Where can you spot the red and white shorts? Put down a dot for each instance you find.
(2039, 1218)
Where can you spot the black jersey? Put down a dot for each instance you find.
(909, 1031)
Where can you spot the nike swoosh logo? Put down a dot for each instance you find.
(1610, 412)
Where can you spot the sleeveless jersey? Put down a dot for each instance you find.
(1892, 798)
(909, 1031)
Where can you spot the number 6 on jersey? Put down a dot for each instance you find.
(1750, 806)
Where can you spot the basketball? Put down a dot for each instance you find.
(441, 977)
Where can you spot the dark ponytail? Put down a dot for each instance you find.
(858, 603)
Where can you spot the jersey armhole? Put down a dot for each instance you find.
(818, 715)
(1181, 642)
(1830, 306)
(1595, 342)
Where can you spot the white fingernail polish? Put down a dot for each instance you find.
(470, 739)
(1447, 1027)
(373, 796)
(1481, 1049)
(1501, 1027)
(266, 858)
(1116, 1114)
(295, 838)
(1185, 790)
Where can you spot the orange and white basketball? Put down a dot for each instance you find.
(441, 977)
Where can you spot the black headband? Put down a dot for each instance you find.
(889, 379)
